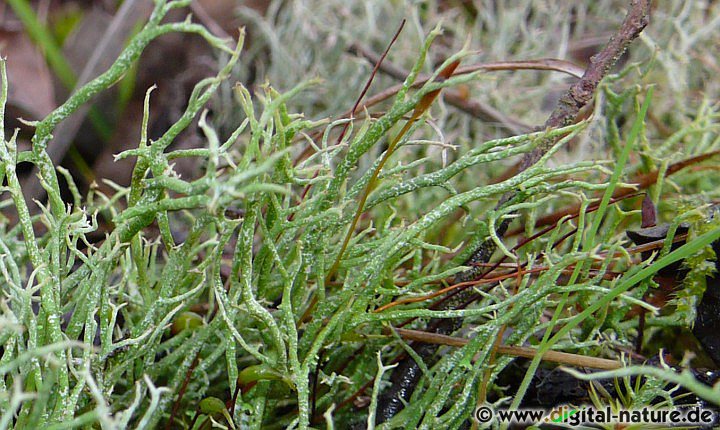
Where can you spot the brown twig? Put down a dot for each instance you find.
(517, 351)
(425, 337)
(583, 91)
(577, 96)
(641, 182)
(477, 108)
(549, 64)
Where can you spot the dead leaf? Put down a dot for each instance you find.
(30, 87)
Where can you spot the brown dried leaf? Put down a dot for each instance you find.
(30, 82)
